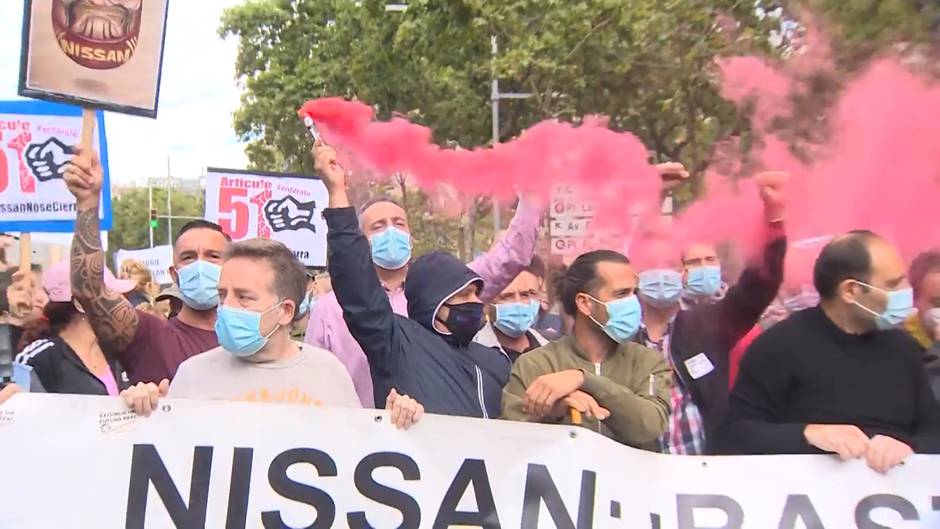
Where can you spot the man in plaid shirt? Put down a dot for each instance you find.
(695, 320)
(685, 434)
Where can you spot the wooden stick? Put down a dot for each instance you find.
(575, 416)
(88, 129)
(26, 252)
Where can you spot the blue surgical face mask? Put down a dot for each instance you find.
(899, 307)
(514, 319)
(704, 281)
(623, 318)
(391, 248)
(306, 305)
(239, 330)
(199, 284)
(661, 288)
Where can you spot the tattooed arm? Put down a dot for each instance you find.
(111, 316)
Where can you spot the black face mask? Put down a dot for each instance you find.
(464, 322)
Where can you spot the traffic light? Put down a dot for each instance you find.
(153, 218)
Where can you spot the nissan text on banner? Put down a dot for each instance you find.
(284, 207)
(81, 461)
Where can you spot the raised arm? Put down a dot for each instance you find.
(511, 255)
(111, 316)
(746, 302)
(366, 308)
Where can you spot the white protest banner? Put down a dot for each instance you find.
(88, 462)
(284, 207)
(35, 144)
(102, 54)
(158, 260)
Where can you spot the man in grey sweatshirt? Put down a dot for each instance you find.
(261, 286)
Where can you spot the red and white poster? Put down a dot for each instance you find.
(36, 140)
(284, 207)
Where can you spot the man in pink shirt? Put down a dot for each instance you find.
(385, 223)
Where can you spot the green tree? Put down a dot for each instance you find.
(131, 228)
(863, 28)
(646, 63)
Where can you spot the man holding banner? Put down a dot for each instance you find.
(618, 387)
(429, 354)
(385, 225)
(841, 377)
(149, 348)
(261, 288)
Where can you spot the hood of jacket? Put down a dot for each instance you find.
(433, 278)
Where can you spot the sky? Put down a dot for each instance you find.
(198, 95)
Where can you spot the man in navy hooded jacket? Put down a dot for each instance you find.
(431, 354)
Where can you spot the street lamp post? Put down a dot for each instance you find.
(495, 97)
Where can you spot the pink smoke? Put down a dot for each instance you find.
(589, 156)
(878, 169)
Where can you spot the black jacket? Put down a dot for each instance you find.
(932, 364)
(59, 370)
(406, 353)
(713, 329)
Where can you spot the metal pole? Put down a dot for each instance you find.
(494, 99)
(169, 204)
(149, 209)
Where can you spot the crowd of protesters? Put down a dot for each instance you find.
(661, 352)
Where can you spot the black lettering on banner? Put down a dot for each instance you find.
(237, 515)
(539, 488)
(472, 471)
(299, 492)
(799, 507)
(687, 504)
(396, 499)
(883, 501)
(935, 503)
(147, 467)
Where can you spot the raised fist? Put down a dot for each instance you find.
(47, 160)
(83, 176)
(287, 214)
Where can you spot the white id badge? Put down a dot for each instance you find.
(699, 366)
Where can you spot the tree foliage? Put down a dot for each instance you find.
(131, 229)
(647, 64)
(862, 28)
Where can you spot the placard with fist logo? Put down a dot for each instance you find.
(36, 142)
(287, 208)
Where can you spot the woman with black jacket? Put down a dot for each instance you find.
(60, 348)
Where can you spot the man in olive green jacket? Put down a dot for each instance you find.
(597, 377)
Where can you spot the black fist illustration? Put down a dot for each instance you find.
(289, 214)
(47, 160)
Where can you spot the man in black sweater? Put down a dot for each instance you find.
(839, 378)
